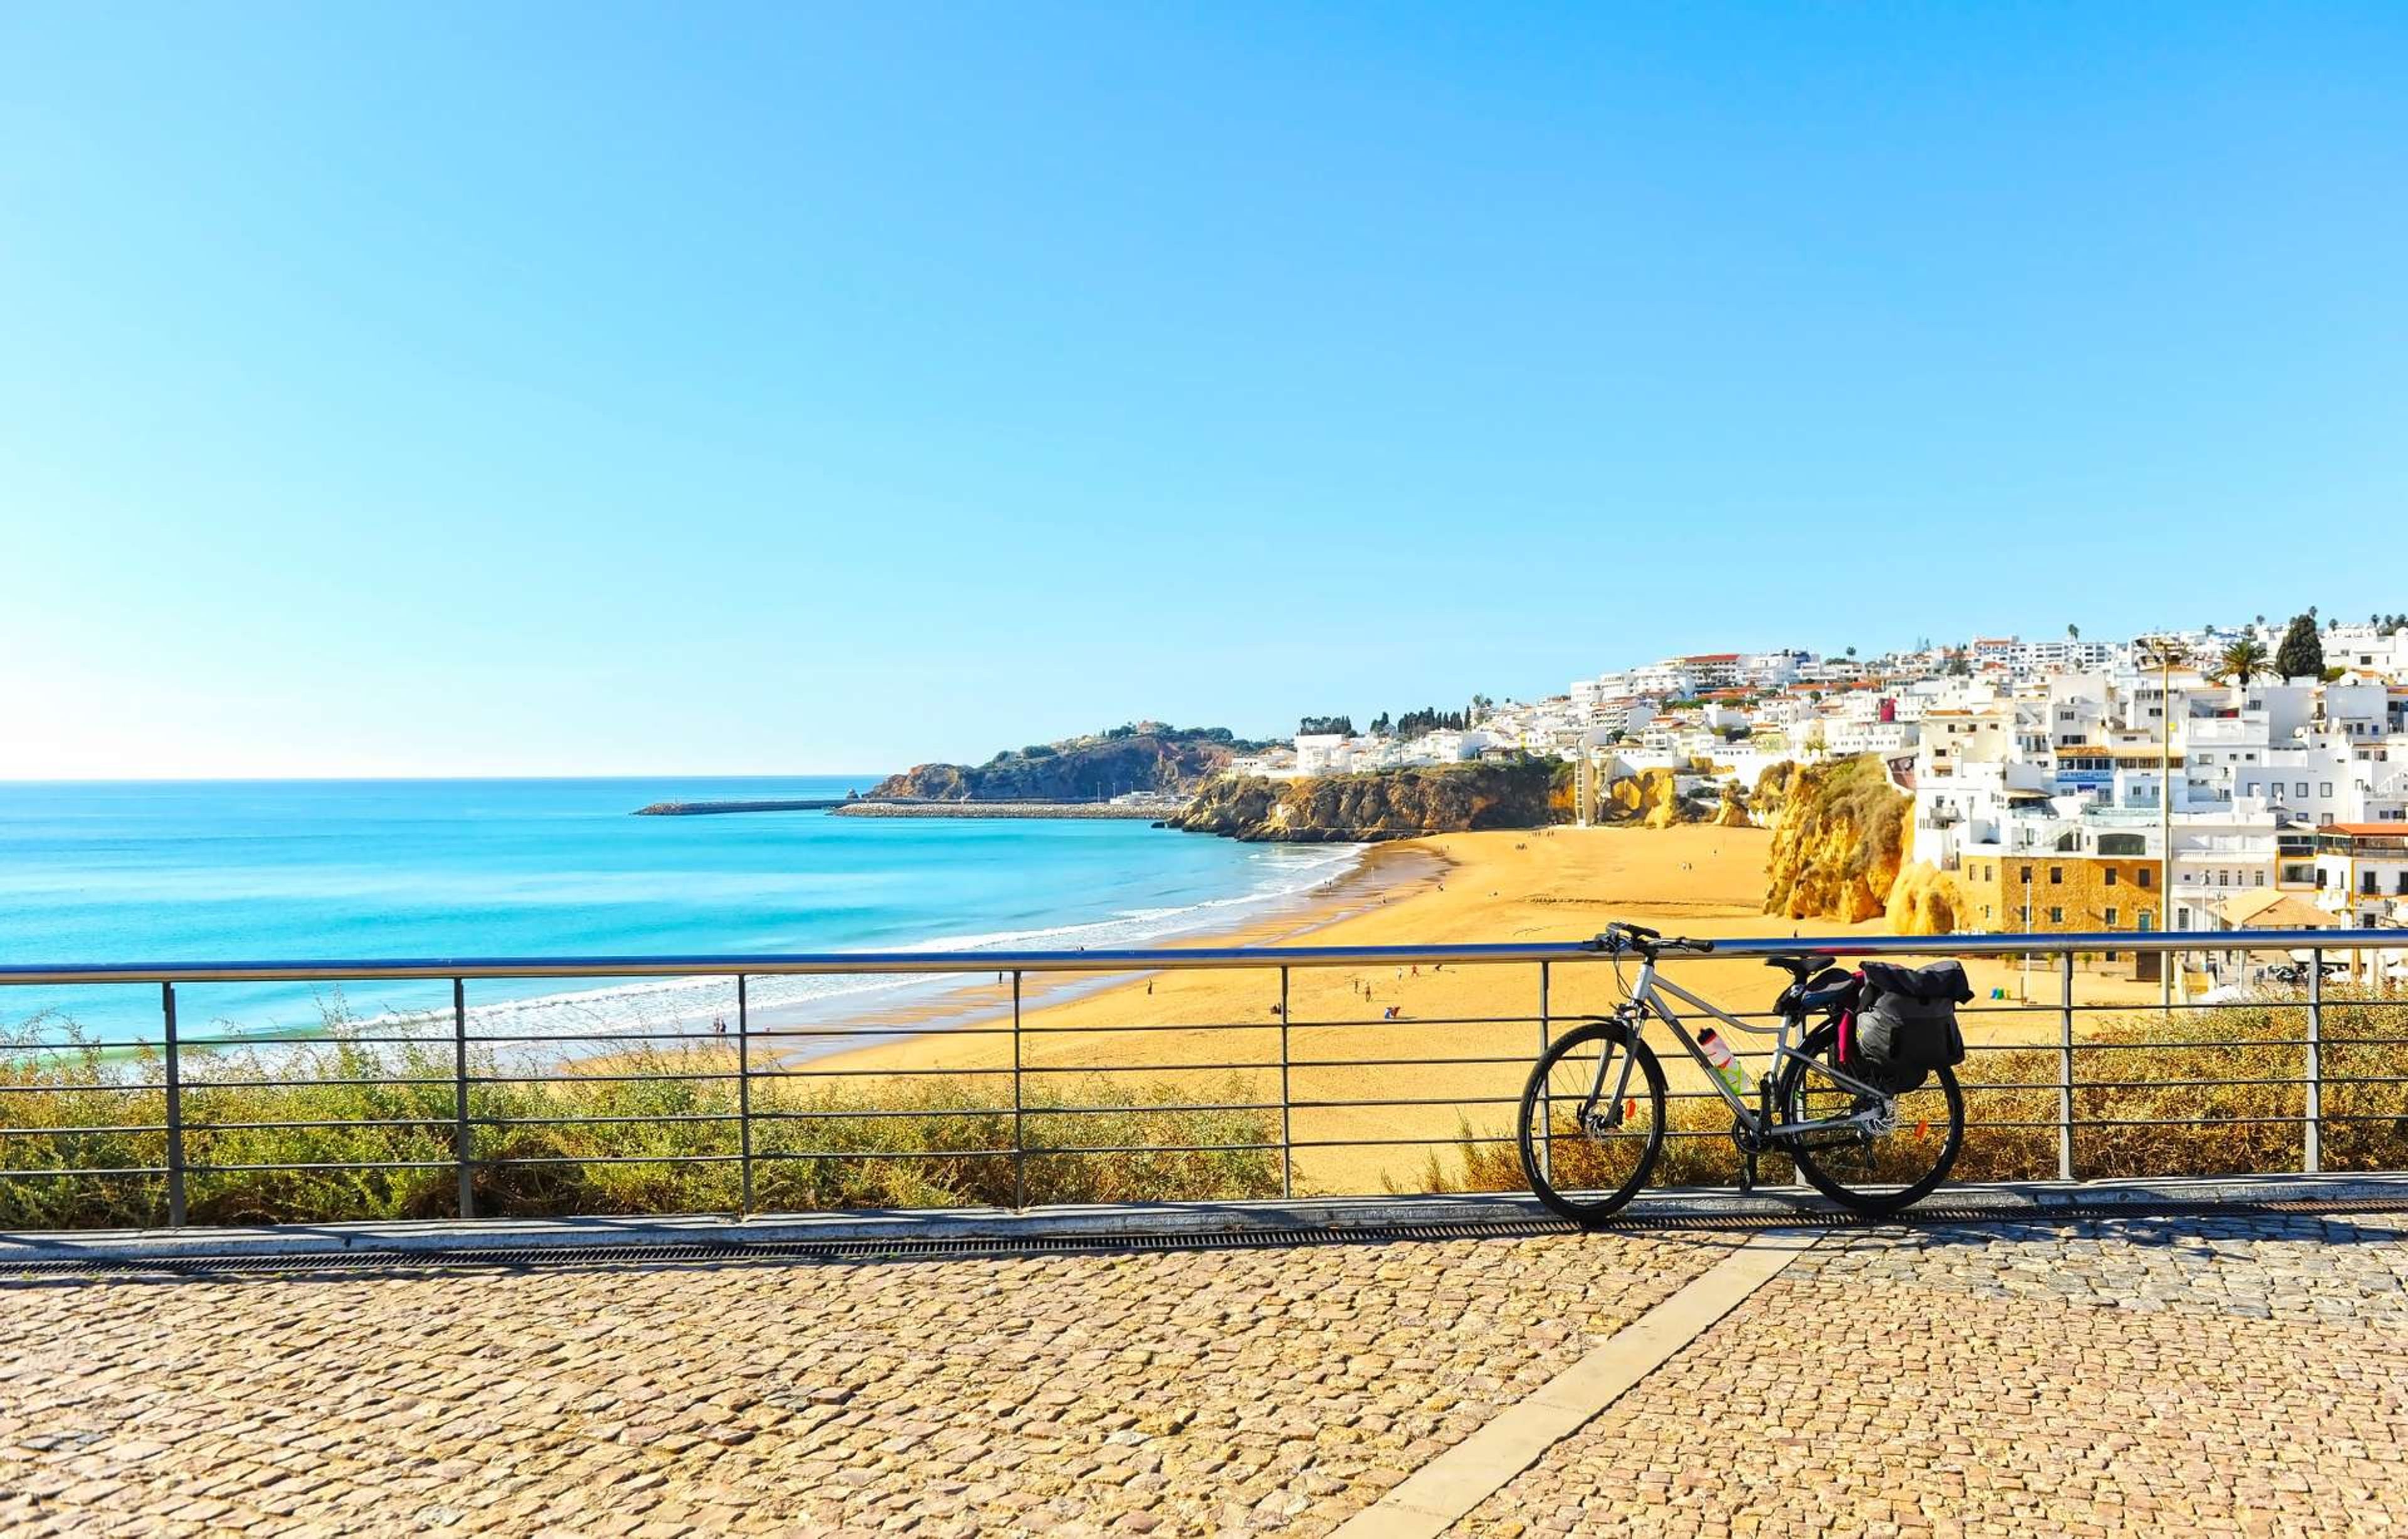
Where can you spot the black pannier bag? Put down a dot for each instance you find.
(1906, 1023)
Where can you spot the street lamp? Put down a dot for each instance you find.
(2162, 652)
(2023, 968)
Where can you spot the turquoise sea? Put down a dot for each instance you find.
(221, 870)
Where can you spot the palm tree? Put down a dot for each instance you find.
(2244, 660)
(2073, 633)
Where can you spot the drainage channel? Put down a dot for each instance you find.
(846, 1250)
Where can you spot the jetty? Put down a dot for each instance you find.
(713, 809)
(1147, 811)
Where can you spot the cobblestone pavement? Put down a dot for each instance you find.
(2226, 1375)
(2241, 1375)
(1184, 1392)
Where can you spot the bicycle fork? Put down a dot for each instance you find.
(1621, 1085)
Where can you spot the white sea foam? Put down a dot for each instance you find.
(598, 1015)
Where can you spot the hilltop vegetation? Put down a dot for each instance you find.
(1138, 757)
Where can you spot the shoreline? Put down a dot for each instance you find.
(820, 1030)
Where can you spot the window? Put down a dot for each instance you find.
(2056, 916)
(2224, 879)
(2056, 876)
(2111, 876)
(2147, 877)
(2143, 921)
(2027, 876)
(2303, 790)
(2111, 919)
(2325, 789)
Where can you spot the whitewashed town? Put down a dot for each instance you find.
(2260, 769)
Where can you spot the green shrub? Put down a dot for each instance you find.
(646, 1132)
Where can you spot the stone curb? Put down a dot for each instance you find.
(1313, 1216)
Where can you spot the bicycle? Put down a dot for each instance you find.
(1869, 1149)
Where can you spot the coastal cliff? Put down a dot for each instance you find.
(1141, 756)
(1382, 805)
(1838, 837)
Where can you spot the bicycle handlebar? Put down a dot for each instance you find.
(1619, 937)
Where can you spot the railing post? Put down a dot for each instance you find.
(743, 1099)
(175, 1109)
(463, 1149)
(1546, 1114)
(2312, 1144)
(1287, 1129)
(1019, 1132)
(2064, 1069)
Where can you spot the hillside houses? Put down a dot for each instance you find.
(2047, 775)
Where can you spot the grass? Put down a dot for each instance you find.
(653, 1132)
(2138, 1109)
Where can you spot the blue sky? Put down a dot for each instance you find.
(549, 389)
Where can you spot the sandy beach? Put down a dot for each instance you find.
(1463, 1039)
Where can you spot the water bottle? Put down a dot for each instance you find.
(1726, 1068)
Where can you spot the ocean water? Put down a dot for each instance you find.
(298, 870)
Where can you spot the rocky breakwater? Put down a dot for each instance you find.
(1380, 805)
(1840, 842)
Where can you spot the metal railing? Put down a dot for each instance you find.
(1296, 1094)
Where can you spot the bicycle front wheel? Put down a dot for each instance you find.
(1873, 1173)
(1590, 1131)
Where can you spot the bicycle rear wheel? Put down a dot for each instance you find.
(1586, 1149)
(1872, 1173)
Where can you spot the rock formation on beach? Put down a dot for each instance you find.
(1380, 805)
(1924, 901)
(1651, 799)
(1838, 837)
(1140, 756)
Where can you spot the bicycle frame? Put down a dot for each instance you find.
(1648, 993)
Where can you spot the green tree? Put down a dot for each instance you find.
(2302, 654)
